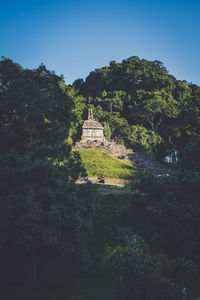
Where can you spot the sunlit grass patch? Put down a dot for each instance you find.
(98, 162)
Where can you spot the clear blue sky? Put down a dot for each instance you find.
(73, 37)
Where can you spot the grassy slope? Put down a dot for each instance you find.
(98, 162)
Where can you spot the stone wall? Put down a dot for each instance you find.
(92, 134)
(116, 181)
(92, 130)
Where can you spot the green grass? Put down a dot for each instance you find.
(98, 162)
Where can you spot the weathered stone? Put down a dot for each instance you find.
(92, 130)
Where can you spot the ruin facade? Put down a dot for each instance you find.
(92, 130)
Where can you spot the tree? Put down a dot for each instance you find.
(144, 274)
(35, 110)
(40, 207)
(111, 101)
(171, 204)
(107, 131)
(40, 213)
(144, 140)
(189, 155)
(78, 110)
(154, 106)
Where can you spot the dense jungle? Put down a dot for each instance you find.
(61, 240)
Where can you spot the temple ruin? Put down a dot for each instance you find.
(92, 130)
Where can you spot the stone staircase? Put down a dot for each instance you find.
(143, 162)
(146, 164)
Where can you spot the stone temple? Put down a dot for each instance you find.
(92, 130)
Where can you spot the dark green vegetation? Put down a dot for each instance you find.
(99, 163)
(140, 104)
(42, 212)
(63, 241)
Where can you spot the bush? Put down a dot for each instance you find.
(144, 275)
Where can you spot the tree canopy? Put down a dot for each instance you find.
(138, 92)
(40, 207)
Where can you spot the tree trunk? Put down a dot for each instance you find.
(34, 268)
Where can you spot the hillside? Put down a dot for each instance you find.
(140, 106)
(98, 162)
(58, 239)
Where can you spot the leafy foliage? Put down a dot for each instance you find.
(189, 156)
(144, 275)
(40, 207)
(170, 203)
